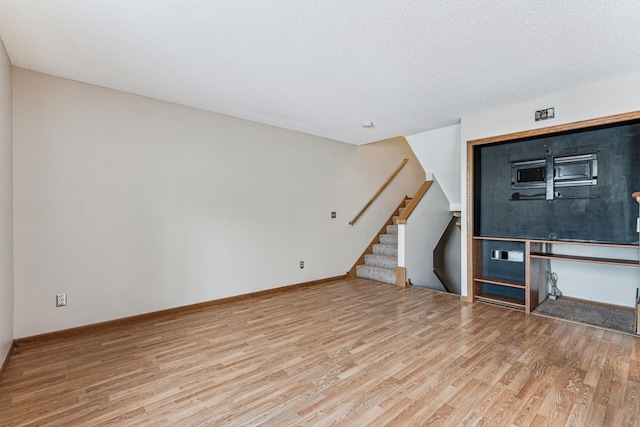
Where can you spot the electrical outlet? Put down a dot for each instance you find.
(547, 113)
(61, 300)
(333, 214)
(301, 264)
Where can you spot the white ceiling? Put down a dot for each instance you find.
(323, 67)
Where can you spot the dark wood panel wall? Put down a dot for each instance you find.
(599, 213)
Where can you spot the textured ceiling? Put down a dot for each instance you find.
(323, 67)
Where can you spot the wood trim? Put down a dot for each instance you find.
(636, 312)
(600, 121)
(470, 224)
(601, 304)
(591, 260)
(375, 196)
(21, 342)
(402, 218)
(401, 277)
(537, 279)
(559, 242)
(369, 249)
(6, 359)
(534, 275)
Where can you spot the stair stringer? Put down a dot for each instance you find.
(422, 232)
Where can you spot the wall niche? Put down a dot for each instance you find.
(572, 186)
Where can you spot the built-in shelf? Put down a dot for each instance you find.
(503, 239)
(501, 282)
(591, 260)
(504, 281)
(559, 242)
(534, 277)
(495, 230)
(500, 299)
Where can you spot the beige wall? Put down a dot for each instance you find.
(6, 206)
(132, 205)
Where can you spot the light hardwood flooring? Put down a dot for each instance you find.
(352, 352)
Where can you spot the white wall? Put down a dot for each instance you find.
(6, 206)
(447, 257)
(132, 205)
(439, 153)
(423, 230)
(608, 98)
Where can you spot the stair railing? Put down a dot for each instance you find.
(375, 196)
(402, 218)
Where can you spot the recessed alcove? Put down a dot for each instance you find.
(565, 187)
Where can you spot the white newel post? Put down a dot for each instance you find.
(401, 238)
(401, 270)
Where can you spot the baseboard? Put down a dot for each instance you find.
(466, 298)
(20, 342)
(601, 304)
(6, 359)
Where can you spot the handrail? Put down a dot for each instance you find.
(402, 218)
(375, 196)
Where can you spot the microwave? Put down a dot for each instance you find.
(566, 171)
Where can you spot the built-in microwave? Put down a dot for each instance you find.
(565, 171)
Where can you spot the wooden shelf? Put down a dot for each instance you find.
(520, 294)
(501, 239)
(591, 260)
(500, 299)
(501, 282)
(534, 279)
(559, 242)
(585, 244)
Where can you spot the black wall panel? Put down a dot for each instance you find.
(500, 268)
(603, 213)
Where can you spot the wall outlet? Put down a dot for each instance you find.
(547, 113)
(333, 214)
(61, 300)
(301, 264)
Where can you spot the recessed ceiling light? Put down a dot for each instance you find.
(367, 124)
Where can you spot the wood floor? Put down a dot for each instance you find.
(352, 352)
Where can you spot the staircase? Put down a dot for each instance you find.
(381, 257)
